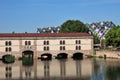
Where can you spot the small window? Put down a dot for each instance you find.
(60, 47)
(47, 48)
(6, 43)
(60, 42)
(47, 42)
(10, 43)
(78, 42)
(6, 49)
(29, 43)
(10, 49)
(63, 47)
(78, 47)
(25, 42)
(44, 42)
(63, 42)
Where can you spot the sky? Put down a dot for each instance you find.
(27, 15)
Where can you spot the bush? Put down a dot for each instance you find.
(100, 56)
(89, 56)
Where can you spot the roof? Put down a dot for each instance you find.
(44, 34)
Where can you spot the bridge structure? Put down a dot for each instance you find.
(39, 44)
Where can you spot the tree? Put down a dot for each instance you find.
(96, 40)
(112, 38)
(73, 26)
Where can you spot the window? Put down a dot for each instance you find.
(46, 48)
(8, 49)
(46, 42)
(78, 47)
(62, 47)
(27, 42)
(8, 43)
(62, 42)
(78, 42)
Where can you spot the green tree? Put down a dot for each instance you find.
(73, 26)
(96, 40)
(113, 37)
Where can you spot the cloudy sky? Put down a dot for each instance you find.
(28, 15)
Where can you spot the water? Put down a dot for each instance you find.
(86, 69)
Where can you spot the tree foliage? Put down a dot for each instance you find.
(113, 37)
(73, 26)
(96, 40)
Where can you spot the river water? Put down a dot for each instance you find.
(86, 69)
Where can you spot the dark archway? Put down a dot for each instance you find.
(27, 58)
(77, 56)
(8, 58)
(62, 56)
(46, 56)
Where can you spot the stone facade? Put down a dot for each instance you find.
(53, 43)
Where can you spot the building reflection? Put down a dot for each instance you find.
(67, 69)
(62, 68)
(8, 70)
(78, 68)
(46, 69)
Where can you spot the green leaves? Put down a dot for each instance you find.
(113, 37)
(73, 26)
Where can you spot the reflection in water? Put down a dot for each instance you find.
(63, 68)
(86, 69)
(28, 72)
(78, 68)
(8, 73)
(46, 69)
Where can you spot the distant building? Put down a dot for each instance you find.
(40, 43)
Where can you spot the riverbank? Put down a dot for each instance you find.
(105, 54)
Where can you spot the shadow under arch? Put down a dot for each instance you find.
(8, 58)
(46, 56)
(27, 58)
(77, 56)
(62, 56)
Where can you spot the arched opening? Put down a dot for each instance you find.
(46, 56)
(8, 58)
(27, 58)
(77, 56)
(62, 56)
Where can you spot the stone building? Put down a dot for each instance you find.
(40, 43)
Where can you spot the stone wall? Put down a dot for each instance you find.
(112, 54)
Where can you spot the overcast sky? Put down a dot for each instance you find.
(28, 15)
